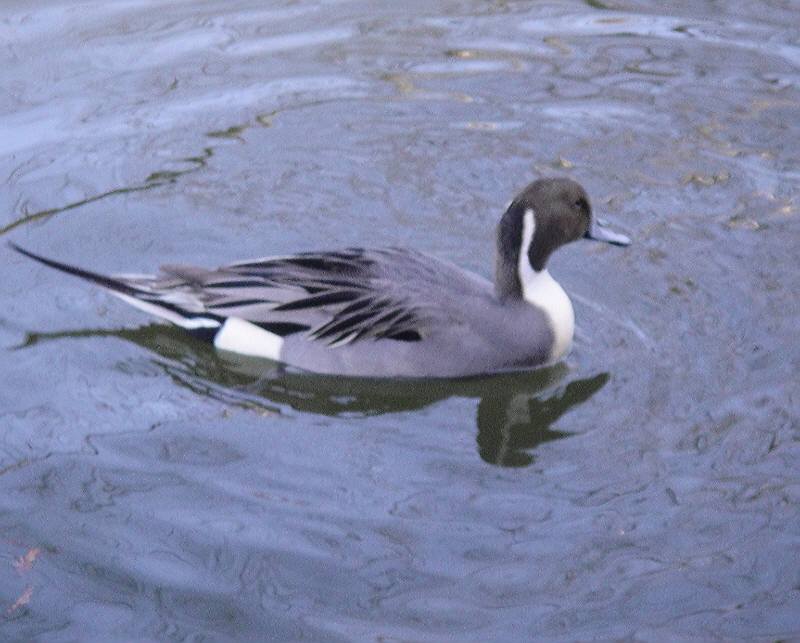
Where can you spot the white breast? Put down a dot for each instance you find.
(544, 292)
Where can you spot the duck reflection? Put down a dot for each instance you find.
(515, 412)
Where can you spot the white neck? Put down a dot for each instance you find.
(544, 292)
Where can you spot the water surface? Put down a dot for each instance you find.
(647, 488)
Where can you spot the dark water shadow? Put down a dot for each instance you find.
(515, 411)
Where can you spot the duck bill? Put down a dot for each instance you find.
(599, 231)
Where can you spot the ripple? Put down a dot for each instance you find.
(646, 488)
(465, 67)
(286, 42)
(668, 27)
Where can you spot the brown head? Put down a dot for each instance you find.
(547, 214)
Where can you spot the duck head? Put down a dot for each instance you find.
(547, 214)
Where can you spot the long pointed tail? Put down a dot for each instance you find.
(115, 285)
(152, 302)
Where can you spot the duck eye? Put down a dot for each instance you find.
(581, 204)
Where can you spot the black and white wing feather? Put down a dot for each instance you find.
(331, 297)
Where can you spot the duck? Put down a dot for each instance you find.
(385, 312)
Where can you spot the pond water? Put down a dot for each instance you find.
(648, 487)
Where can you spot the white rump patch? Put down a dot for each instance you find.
(544, 292)
(241, 336)
(190, 323)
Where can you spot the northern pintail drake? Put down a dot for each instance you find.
(385, 312)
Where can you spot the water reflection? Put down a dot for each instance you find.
(515, 411)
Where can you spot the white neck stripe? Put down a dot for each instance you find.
(528, 228)
(544, 292)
